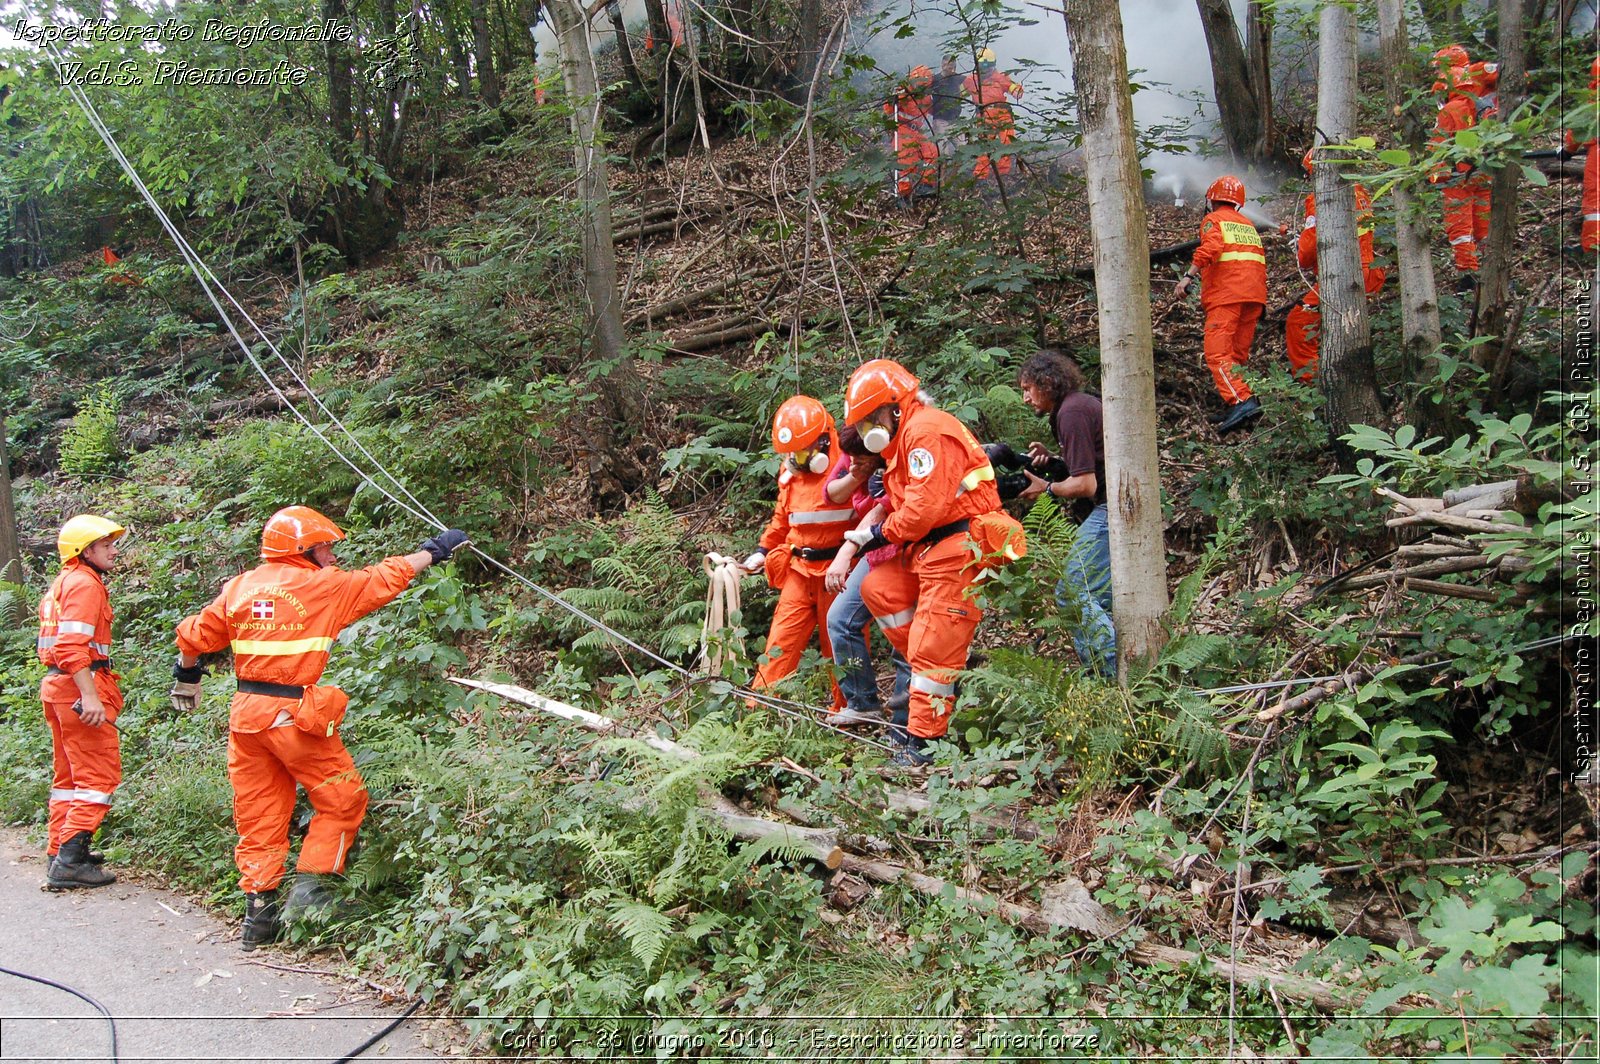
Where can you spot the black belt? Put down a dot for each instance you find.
(945, 532)
(816, 554)
(276, 690)
(94, 666)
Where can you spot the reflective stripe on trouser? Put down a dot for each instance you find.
(1230, 329)
(1466, 220)
(1590, 238)
(933, 583)
(1303, 334)
(802, 609)
(263, 768)
(87, 770)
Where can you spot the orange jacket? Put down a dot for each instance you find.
(911, 112)
(1306, 249)
(935, 472)
(281, 619)
(1459, 111)
(1230, 260)
(805, 517)
(74, 633)
(989, 94)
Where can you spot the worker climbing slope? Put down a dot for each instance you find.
(990, 91)
(1465, 189)
(281, 619)
(916, 154)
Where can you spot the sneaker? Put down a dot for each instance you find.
(850, 715)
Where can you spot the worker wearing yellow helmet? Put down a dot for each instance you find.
(990, 89)
(81, 699)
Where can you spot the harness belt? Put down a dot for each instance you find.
(944, 532)
(94, 666)
(816, 554)
(275, 690)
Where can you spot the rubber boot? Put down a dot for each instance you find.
(72, 869)
(260, 920)
(311, 899)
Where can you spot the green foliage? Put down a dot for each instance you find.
(90, 447)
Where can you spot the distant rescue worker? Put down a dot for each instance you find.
(1053, 385)
(1232, 267)
(1466, 191)
(81, 700)
(916, 154)
(802, 537)
(1584, 144)
(946, 99)
(1303, 330)
(945, 515)
(990, 90)
(674, 27)
(280, 619)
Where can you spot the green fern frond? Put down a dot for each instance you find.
(774, 845)
(1191, 651)
(646, 928)
(13, 604)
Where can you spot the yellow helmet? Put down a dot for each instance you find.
(986, 56)
(79, 532)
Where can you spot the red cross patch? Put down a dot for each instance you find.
(261, 609)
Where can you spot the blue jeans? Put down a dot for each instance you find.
(847, 618)
(1085, 589)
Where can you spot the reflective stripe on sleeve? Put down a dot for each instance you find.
(75, 628)
(897, 620)
(976, 477)
(929, 686)
(101, 647)
(47, 641)
(283, 647)
(822, 517)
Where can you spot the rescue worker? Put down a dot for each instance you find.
(1589, 234)
(281, 619)
(989, 90)
(1466, 192)
(1232, 267)
(81, 700)
(674, 27)
(1303, 330)
(802, 537)
(942, 501)
(916, 154)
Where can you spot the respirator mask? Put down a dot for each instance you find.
(818, 462)
(877, 438)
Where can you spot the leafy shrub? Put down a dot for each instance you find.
(90, 447)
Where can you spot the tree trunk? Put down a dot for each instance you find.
(10, 555)
(625, 48)
(1245, 117)
(1122, 284)
(808, 40)
(1413, 234)
(1259, 21)
(1347, 375)
(1494, 277)
(483, 55)
(458, 56)
(594, 192)
(339, 82)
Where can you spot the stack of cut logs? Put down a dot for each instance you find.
(1450, 524)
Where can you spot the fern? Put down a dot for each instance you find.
(774, 845)
(646, 929)
(13, 604)
(1222, 549)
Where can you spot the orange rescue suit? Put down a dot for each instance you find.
(989, 97)
(1589, 238)
(281, 619)
(937, 476)
(1466, 192)
(1233, 292)
(916, 154)
(1303, 330)
(804, 520)
(75, 634)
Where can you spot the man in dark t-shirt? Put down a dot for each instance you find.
(946, 99)
(1052, 384)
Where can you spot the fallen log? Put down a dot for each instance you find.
(819, 844)
(1442, 567)
(1465, 524)
(672, 306)
(1083, 914)
(676, 221)
(1461, 591)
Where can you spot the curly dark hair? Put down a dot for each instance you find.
(850, 442)
(1053, 372)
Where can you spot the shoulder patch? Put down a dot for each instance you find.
(920, 462)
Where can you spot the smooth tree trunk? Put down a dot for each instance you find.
(483, 54)
(10, 554)
(630, 68)
(1494, 274)
(1243, 104)
(1122, 285)
(1420, 334)
(594, 192)
(340, 79)
(1346, 371)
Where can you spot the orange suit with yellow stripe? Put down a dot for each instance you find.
(281, 619)
(1233, 292)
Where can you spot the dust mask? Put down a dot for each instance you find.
(819, 462)
(877, 439)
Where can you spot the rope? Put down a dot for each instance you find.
(404, 500)
(722, 602)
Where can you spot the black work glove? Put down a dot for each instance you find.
(443, 545)
(192, 674)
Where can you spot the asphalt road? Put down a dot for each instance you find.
(173, 977)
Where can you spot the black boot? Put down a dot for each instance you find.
(311, 899)
(260, 919)
(908, 751)
(899, 707)
(72, 869)
(1240, 415)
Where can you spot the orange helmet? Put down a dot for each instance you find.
(1226, 189)
(1451, 55)
(799, 423)
(294, 530)
(873, 385)
(920, 78)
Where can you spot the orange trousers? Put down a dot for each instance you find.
(919, 600)
(802, 609)
(1590, 239)
(1230, 329)
(918, 159)
(1302, 332)
(986, 167)
(88, 767)
(264, 768)
(1466, 218)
